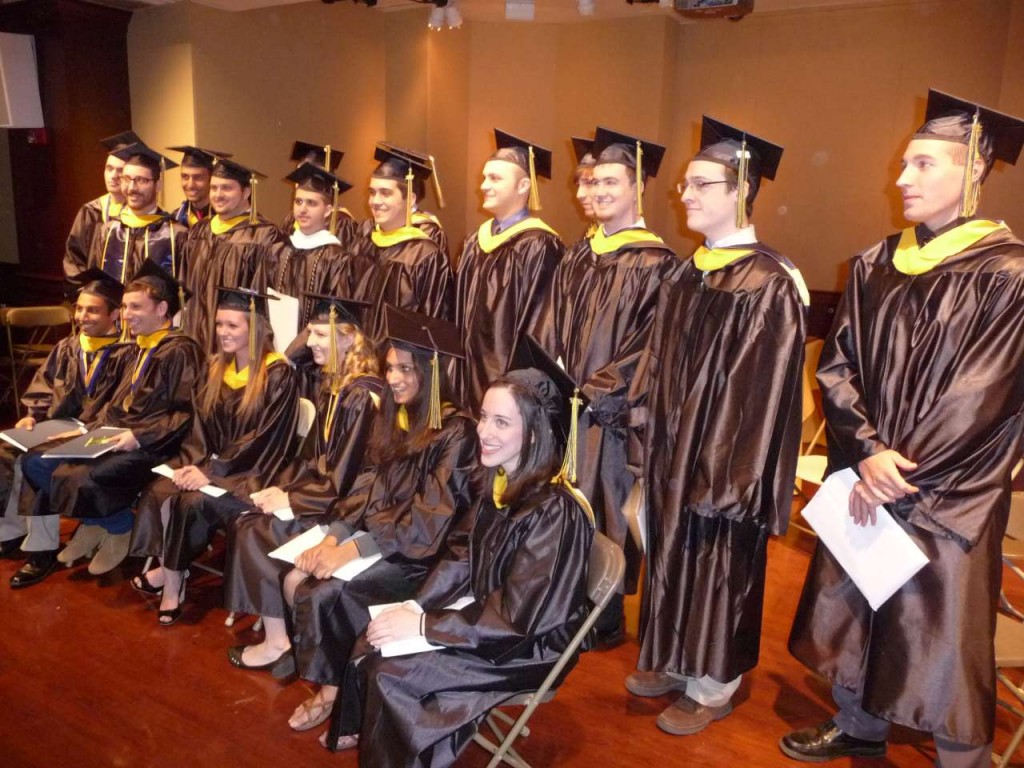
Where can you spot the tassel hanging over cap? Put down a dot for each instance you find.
(252, 336)
(437, 182)
(742, 175)
(568, 472)
(534, 203)
(969, 197)
(639, 179)
(252, 198)
(409, 177)
(333, 225)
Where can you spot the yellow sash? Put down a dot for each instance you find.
(498, 489)
(133, 220)
(401, 235)
(219, 226)
(238, 379)
(911, 259)
(402, 418)
(717, 258)
(600, 243)
(489, 242)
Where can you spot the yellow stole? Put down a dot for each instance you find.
(488, 242)
(90, 345)
(384, 239)
(105, 208)
(912, 259)
(220, 226)
(708, 260)
(147, 342)
(423, 218)
(600, 243)
(402, 418)
(498, 489)
(237, 379)
(133, 220)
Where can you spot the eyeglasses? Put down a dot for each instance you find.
(700, 187)
(139, 181)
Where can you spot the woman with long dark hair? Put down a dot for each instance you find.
(243, 431)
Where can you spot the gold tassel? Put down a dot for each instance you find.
(163, 170)
(331, 369)
(252, 199)
(334, 207)
(409, 176)
(434, 418)
(568, 472)
(437, 182)
(252, 337)
(969, 197)
(639, 180)
(534, 202)
(327, 158)
(741, 186)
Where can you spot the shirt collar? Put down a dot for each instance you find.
(745, 236)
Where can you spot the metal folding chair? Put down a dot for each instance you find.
(38, 336)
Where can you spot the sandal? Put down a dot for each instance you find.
(314, 711)
(141, 583)
(345, 741)
(168, 617)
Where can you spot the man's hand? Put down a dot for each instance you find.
(395, 624)
(881, 483)
(125, 441)
(270, 499)
(189, 478)
(26, 423)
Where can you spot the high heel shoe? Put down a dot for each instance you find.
(170, 616)
(141, 583)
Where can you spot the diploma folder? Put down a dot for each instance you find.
(292, 548)
(878, 558)
(89, 446)
(27, 439)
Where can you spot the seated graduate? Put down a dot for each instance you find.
(76, 380)
(243, 431)
(154, 404)
(332, 457)
(525, 582)
(412, 513)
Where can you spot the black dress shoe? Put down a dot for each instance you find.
(38, 566)
(12, 547)
(827, 742)
(279, 668)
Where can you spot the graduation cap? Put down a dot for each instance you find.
(197, 157)
(247, 177)
(988, 134)
(399, 165)
(639, 154)
(422, 159)
(321, 154)
(333, 310)
(312, 176)
(426, 334)
(95, 282)
(246, 300)
(533, 159)
(560, 393)
(119, 140)
(584, 150)
(148, 158)
(752, 157)
(168, 289)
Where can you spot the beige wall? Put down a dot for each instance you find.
(841, 89)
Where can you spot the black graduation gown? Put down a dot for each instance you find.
(527, 572)
(159, 413)
(328, 270)
(235, 454)
(500, 294)
(413, 511)
(598, 318)
(90, 216)
(246, 256)
(721, 378)
(931, 366)
(326, 470)
(121, 250)
(413, 274)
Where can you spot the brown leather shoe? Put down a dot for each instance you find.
(686, 717)
(651, 684)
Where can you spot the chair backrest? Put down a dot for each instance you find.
(605, 570)
(307, 415)
(38, 317)
(1015, 524)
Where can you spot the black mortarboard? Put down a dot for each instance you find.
(96, 282)
(244, 300)
(229, 169)
(622, 148)
(345, 310)
(720, 143)
(119, 140)
(584, 150)
(521, 151)
(422, 159)
(168, 289)
(396, 164)
(429, 334)
(150, 157)
(529, 354)
(304, 151)
(1004, 133)
(315, 177)
(197, 157)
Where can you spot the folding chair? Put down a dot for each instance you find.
(604, 575)
(38, 324)
(810, 467)
(1013, 548)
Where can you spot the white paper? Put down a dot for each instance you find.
(879, 558)
(284, 513)
(417, 644)
(292, 548)
(284, 319)
(209, 490)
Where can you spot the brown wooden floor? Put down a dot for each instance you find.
(88, 678)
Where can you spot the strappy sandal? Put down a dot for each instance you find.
(345, 741)
(315, 711)
(141, 583)
(169, 617)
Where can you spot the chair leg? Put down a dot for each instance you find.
(1007, 606)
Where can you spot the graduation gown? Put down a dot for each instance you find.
(347, 229)
(412, 512)
(326, 470)
(79, 243)
(327, 270)
(122, 245)
(527, 573)
(425, 221)
(188, 216)
(502, 284)
(234, 453)
(598, 318)
(407, 269)
(157, 407)
(245, 256)
(721, 380)
(931, 366)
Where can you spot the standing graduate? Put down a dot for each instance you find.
(414, 511)
(583, 180)
(343, 224)
(99, 211)
(598, 319)
(196, 167)
(235, 247)
(506, 266)
(76, 380)
(326, 470)
(243, 431)
(526, 578)
(406, 268)
(154, 402)
(922, 377)
(143, 230)
(721, 381)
